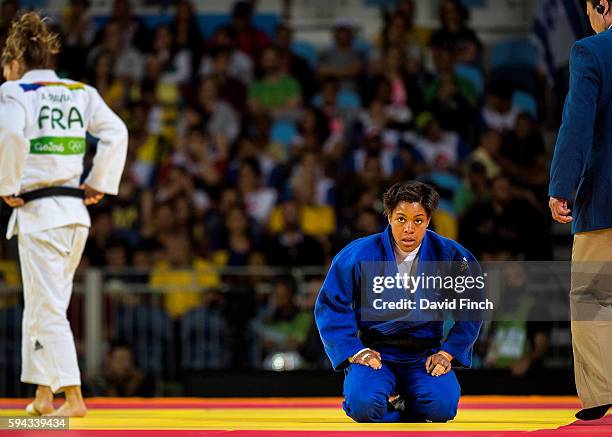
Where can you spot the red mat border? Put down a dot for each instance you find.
(154, 405)
(580, 428)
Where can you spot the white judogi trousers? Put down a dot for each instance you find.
(49, 260)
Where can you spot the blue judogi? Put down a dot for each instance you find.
(340, 318)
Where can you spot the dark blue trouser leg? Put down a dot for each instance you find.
(427, 397)
(366, 392)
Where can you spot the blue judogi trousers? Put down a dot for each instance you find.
(426, 397)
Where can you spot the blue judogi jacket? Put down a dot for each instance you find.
(338, 313)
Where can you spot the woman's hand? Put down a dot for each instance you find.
(91, 196)
(439, 363)
(13, 202)
(369, 358)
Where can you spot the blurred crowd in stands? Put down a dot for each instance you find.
(253, 149)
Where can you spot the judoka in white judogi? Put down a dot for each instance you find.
(43, 124)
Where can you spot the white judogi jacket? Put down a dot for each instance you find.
(43, 123)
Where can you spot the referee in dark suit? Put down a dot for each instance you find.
(582, 172)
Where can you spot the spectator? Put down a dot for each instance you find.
(340, 115)
(249, 39)
(275, 91)
(112, 89)
(343, 61)
(488, 153)
(376, 162)
(239, 65)
(175, 181)
(372, 122)
(400, 32)
(127, 61)
(237, 243)
(361, 189)
(260, 133)
(227, 199)
(157, 226)
(182, 276)
(285, 326)
(292, 64)
(308, 170)
(259, 149)
(175, 62)
(132, 31)
(258, 199)
(316, 219)
(512, 221)
(184, 27)
(498, 112)
(523, 155)
(188, 217)
(451, 98)
(79, 31)
(292, 247)
(230, 87)
(400, 90)
(222, 121)
(367, 222)
(521, 340)
(436, 147)
(313, 133)
(463, 41)
(120, 377)
(341, 106)
(475, 189)
(151, 94)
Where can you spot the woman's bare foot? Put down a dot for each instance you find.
(74, 405)
(42, 403)
(70, 410)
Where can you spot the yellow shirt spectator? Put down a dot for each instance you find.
(316, 220)
(183, 287)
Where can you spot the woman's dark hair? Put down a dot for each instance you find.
(30, 41)
(411, 191)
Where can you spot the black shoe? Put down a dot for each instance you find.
(593, 413)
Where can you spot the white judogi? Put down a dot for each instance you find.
(43, 123)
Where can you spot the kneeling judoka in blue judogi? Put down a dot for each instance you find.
(396, 370)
